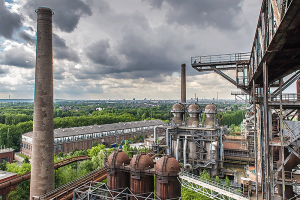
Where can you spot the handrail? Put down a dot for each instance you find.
(221, 58)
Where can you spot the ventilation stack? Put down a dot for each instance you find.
(140, 182)
(117, 178)
(210, 111)
(42, 162)
(167, 185)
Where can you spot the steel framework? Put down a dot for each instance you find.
(209, 188)
(96, 190)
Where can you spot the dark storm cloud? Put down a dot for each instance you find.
(4, 71)
(26, 37)
(67, 13)
(221, 14)
(97, 52)
(19, 57)
(58, 72)
(143, 60)
(8, 21)
(62, 51)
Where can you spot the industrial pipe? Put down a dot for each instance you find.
(177, 149)
(184, 150)
(167, 141)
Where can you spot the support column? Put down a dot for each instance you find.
(266, 131)
(255, 139)
(42, 163)
(281, 136)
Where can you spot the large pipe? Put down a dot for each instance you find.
(42, 162)
(184, 150)
(167, 141)
(183, 84)
(177, 149)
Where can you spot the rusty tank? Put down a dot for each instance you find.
(178, 111)
(167, 185)
(210, 111)
(117, 177)
(141, 181)
(194, 111)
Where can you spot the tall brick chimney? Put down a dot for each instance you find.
(42, 162)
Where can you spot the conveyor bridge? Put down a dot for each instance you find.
(209, 188)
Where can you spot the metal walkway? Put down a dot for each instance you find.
(209, 188)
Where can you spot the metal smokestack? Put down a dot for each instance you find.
(42, 162)
(183, 84)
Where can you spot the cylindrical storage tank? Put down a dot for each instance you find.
(178, 111)
(194, 111)
(210, 111)
(139, 181)
(167, 185)
(116, 178)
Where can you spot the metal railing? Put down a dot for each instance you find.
(288, 97)
(222, 58)
(215, 184)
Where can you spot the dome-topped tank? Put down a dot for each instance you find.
(118, 158)
(167, 184)
(178, 110)
(117, 178)
(167, 164)
(194, 111)
(140, 182)
(210, 111)
(141, 161)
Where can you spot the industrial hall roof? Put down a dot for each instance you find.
(64, 132)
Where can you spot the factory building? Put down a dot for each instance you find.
(7, 155)
(80, 138)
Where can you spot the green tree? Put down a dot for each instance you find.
(96, 143)
(3, 166)
(227, 181)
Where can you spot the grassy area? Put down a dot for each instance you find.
(23, 156)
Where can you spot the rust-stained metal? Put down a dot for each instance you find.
(166, 183)
(140, 181)
(117, 178)
(178, 111)
(194, 111)
(42, 161)
(183, 84)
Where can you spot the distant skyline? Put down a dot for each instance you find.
(120, 49)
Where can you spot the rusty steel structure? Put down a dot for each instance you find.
(140, 180)
(167, 185)
(42, 162)
(116, 177)
(271, 67)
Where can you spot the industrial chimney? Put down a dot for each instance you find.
(183, 84)
(42, 162)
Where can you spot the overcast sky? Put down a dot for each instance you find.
(124, 49)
